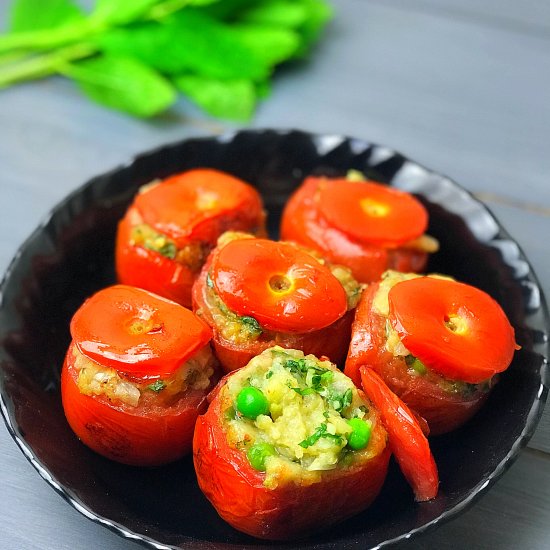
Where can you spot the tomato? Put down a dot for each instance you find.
(444, 403)
(456, 329)
(234, 353)
(303, 221)
(136, 375)
(170, 228)
(136, 332)
(407, 442)
(146, 435)
(281, 286)
(145, 268)
(200, 203)
(292, 509)
(371, 212)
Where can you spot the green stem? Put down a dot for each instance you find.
(44, 65)
(48, 39)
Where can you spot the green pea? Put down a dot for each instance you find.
(360, 435)
(251, 402)
(258, 453)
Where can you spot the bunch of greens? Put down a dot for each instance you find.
(135, 55)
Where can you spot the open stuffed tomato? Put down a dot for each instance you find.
(257, 293)
(437, 343)
(168, 231)
(289, 446)
(364, 225)
(136, 376)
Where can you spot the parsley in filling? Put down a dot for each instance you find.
(288, 412)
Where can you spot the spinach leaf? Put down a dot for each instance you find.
(125, 84)
(232, 99)
(25, 15)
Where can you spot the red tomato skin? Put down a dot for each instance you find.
(407, 441)
(331, 341)
(290, 511)
(131, 435)
(477, 351)
(302, 224)
(243, 213)
(442, 410)
(147, 269)
(241, 272)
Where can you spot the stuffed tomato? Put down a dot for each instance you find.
(257, 293)
(136, 376)
(437, 343)
(289, 446)
(170, 228)
(364, 225)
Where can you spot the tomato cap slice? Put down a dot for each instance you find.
(136, 332)
(406, 438)
(282, 287)
(181, 204)
(456, 329)
(372, 212)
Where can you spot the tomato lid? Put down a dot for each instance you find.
(136, 332)
(372, 212)
(455, 329)
(181, 204)
(281, 286)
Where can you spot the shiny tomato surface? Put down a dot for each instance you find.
(150, 434)
(280, 285)
(456, 329)
(331, 341)
(292, 509)
(191, 210)
(136, 332)
(144, 268)
(371, 212)
(407, 441)
(335, 234)
(430, 395)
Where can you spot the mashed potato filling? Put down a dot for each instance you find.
(96, 379)
(310, 403)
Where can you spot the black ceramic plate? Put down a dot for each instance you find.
(70, 255)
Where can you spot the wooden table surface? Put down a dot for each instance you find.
(461, 86)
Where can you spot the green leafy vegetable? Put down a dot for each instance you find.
(125, 84)
(25, 16)
(136, 55)
(234, 98)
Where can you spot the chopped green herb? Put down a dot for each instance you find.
(251, 324)
(340, 401)
(166, 248)
(157, 386)
(209, 281)
(305, 391)
(321, 431)
(269, 374)
(415, 364)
